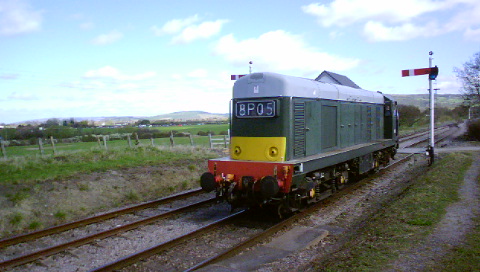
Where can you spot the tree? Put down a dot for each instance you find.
(144, 122)
(409, 115)
(470, 78)
(52, 122)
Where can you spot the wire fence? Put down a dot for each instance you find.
(53, 146)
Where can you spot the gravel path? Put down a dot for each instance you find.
(451, 231)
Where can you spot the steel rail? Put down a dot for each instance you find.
(131, 259)
(438, 131)
(101, 235)
(93, 219)
(444, 133)
(228, 253)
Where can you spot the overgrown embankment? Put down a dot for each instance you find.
(37, 192)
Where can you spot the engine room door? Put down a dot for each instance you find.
(313, 127)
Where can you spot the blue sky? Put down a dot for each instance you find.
(62, 59)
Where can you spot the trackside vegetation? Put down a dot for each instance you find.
(41, 191)
(405, 221)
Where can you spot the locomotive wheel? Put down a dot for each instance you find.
(283, 211)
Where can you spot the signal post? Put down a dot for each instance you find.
(432, 75)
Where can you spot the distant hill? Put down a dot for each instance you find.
(190, 116)
(111, 120)
(422, 100)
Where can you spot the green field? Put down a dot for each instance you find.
(200, 141)
(215, 128)
(32, 150)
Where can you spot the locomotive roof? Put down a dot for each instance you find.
(273, 85)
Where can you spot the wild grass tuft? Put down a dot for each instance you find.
(16, 218)
(132, 195)
(34, 225)
(61, 215)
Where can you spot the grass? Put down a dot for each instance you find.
(35, 168)
(403, 222)
(16, 218)
(41, 191)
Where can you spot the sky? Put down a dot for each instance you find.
(64, 59)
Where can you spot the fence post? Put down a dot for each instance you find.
(137, 141)
(210, 139)
(40, 146)
(171, 139)
(191, 139)
(105, 141)
(225, 140)
(53, 145)
(98, 141)
(153, 143)
(4, 151)
(129, 141)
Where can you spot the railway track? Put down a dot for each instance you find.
(415, 139)
(234, 248)
(48, 251)
(161, 247)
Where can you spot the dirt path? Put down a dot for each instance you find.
(451, 231)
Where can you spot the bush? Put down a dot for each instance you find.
(473, 130)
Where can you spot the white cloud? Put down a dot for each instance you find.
(346, 12)
(280, 51)
(377, 32)
(87, 25)
(22, 96)
(199, 73)
(187, 31)
(202, 31)
(108, 38)
(114, 73)
(395, 21)
(18, 17)
(174, 26)
(472, 34)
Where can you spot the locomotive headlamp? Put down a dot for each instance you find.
(273, 151)
(237, 150)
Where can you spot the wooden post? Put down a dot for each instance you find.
(40, 146)
(4, 151)
(105, 141)
(225, 140)
(137, 142)
(129, 141)
(98, 141)
(191, 139)
(172, 143)
(153, 143)
(53, 145)
(210, 138)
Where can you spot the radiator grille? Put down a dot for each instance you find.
(299, 129)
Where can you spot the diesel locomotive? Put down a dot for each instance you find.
(293, 140)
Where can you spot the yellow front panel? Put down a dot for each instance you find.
(258, 148)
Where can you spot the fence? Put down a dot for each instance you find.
(103, 142)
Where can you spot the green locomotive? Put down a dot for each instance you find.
(295, 139)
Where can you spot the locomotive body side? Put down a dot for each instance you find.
(292, 139)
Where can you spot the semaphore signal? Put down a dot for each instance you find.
(432, 73)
